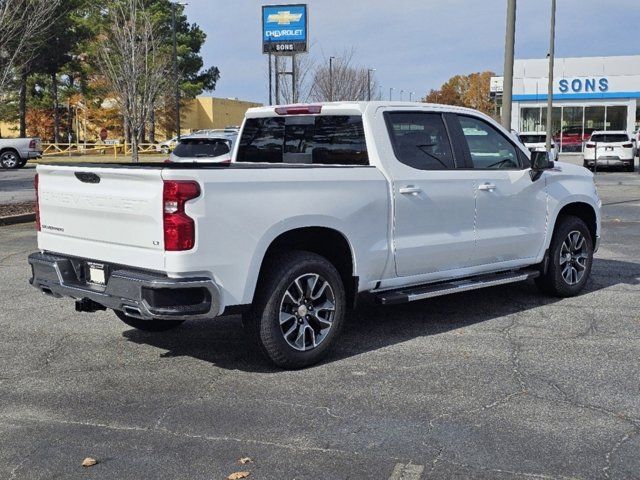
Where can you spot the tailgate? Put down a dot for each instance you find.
(102, 213)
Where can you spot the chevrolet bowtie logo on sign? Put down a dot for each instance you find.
(284, 18)
(284, 28)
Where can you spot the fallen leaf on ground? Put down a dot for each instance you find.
(245, 460)
(89, 462)
(238, 475)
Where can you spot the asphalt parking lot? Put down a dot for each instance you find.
(498, 383)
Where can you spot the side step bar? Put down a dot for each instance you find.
(420, 292)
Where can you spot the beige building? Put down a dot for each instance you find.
(211, 112)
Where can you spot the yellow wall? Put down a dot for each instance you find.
(210, 112)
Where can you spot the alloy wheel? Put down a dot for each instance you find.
(306, 312)
(9, 160)
(574, 256)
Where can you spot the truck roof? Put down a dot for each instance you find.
(352, 108)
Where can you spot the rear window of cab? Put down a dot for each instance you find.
(306, 139)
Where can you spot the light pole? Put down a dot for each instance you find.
(411, 96)
(509, 43)
(331, 59)
(552, 42)
(176, 77)
(401, 94)
(369, 82)
(391, 89)
(380, 93)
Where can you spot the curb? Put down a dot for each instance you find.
(15, 219)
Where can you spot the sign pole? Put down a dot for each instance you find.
(270, 80)
(294, 93)
(510, 39)
(277, 73)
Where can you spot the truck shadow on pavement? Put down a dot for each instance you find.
(223, 342)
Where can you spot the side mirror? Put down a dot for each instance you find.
(541, 160)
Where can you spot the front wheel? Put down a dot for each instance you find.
(570, 258)
(148, 325)
(10, 159)
(299, 309)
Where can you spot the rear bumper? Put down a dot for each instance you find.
(144, 295)
(33, 154)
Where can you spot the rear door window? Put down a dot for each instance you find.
(201, 147)
(323, 140)
(420, 140)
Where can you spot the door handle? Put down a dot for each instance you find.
(410, 190)
(489, 187)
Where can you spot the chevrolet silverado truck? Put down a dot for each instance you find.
(322, 206)
(16, 152)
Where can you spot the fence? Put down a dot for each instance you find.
(123, 149)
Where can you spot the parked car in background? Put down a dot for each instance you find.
(322, 206)
(571, 139)
(610, 149)
(537, 142)
(167, 146)
(16, 152)
(204, 148)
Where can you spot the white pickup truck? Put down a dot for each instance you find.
(323, 205)
(16, 152)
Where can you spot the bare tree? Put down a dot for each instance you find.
(133, 64)
(343, 81)
(23, 23)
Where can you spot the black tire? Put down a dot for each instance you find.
(554, 281)
(10, 159)
(148, 325)
(263, 321)
(631, 167)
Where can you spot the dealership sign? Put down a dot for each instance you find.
(580, 85)
(284, 28)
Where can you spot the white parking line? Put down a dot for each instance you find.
(406, 472)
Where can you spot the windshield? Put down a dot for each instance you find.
(610, 137)
(533, 138)
(202, 147)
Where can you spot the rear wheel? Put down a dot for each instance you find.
(631, 167)
(299, 309)
(10, 159)
(570, 258)
(148, 325)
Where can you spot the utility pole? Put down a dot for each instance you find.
(331, 78)
(176, 77)
(552, 44)
(509, 45)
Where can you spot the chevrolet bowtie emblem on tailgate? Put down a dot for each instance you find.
(284, 18)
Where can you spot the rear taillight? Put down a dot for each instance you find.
(179, 228)
(32, 144)
(35, 185)
(627, 145)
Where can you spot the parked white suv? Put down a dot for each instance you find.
(537, 142)
(204, 147)
(613, 149)
(323, 205)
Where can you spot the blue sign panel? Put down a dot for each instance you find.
(284, 28)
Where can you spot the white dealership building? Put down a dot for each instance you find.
(589, 93)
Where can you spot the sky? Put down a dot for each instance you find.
(414, 45)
